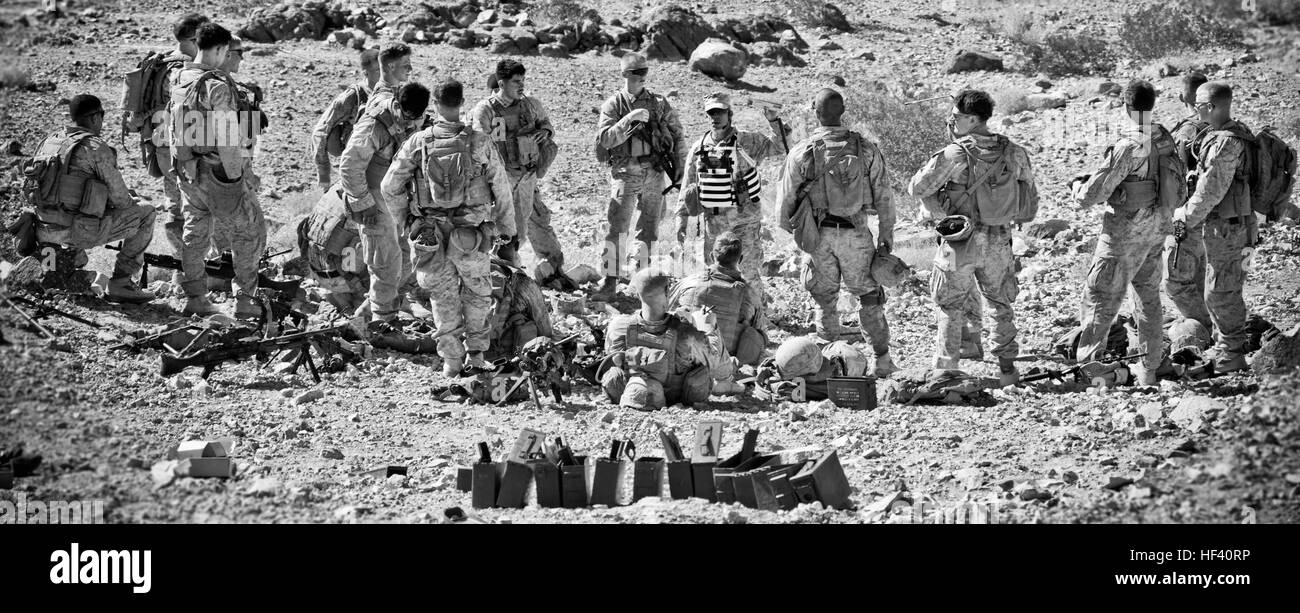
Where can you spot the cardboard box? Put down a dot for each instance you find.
(220, 448)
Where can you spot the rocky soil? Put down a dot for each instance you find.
(1180, 452)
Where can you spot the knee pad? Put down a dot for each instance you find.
(696, 385)
(613, 381)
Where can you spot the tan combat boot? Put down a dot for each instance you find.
(123, 289)
(884, 366)
(451, 367)
(199, 305)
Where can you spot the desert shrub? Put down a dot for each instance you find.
(1009, 101)
(16, 78)
(1066, 52)
(553, 12)
(819, 14)
(1276, 12)
(906, 133)
(1160, 29)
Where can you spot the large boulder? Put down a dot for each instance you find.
(553, 50)
(1039, 102)
(718, 58)
(674, 32)
(753, 29)
(831, 16)
(967, 61)
(1280, 351)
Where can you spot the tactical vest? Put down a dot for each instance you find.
(511, 324)
(514, 120)
(990, 193)
(251, 118)
(724, 297)
(841, 176)
(342, 131)
(383, 157)
(58, 191)
(720, 185)
(663, 369)
(644, 138)
(192, 98)
(1235, 203)
(1142, 190)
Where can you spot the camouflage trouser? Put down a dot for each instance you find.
(461, 287)
(133, 225)
(634, 186)
(748, 226)
(1186, 283)
(208, 202)
(1224, 281)
(346, 292)
(985, 262)
(972, 345)
(175, 226)
(1128, 253)
(533, 220)
(388, 258)
(844, 254)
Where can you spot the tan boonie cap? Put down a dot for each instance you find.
(717, 100)
(633, 61)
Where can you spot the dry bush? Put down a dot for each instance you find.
(1159, 29)
(1062, 52)
(906, 133)
(1010, 101)
(16, 78)
(819, 14)
(1277, 12)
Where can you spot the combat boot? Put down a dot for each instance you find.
(246, 307)
(477, 362)
(606, 291)
(199, 305)
(123, 289)
(1008, 375)
(1143, 376)
(727, 387)
(415, 305)
(1228, 361)
(884, 366)
(451, 367)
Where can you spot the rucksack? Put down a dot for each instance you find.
(1000, 197)
(45, 175)
(1272, 175)
(342, 131)
(844, 177)
(146, 90)
(194, 100)
(448, 166)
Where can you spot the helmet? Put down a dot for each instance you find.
(955, 228)
(855, 363)
(798, 357)
(888, 269)
(1188, 333)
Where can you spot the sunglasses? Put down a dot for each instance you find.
(1199, 105)
(640, 72)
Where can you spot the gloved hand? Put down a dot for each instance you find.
(1180, 230)
(681, 229)
(641, 115)
(365, 217)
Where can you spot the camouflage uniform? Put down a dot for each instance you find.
(724, 292)
(746, 220)
(375, 141)
(520, 312)
(635, 185)
(343, 110)
(658, 363)
(532, 218)
(122, 220)
(457, 277)
(333, 253)
(1129, 249)
(984, 260)
(171, 185)
(209, 198)
(1186, 284)
(846, 248)
(249, 92)
(1219, 212)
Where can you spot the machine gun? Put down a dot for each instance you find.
(42, 310)
(1083, 372)
(263, 350)
(217, 268)
(540, 362)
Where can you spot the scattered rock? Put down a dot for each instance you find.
(1039, 102)
(1108, 88)
(865, 55)
(828, 45)
(1165, 69)
(673, 33)
(308, 396)
(331, 453)
(1278, 351)
(1048, 228)
(968, 61)
(608, 417)
(1192, 412)
(13, 147)
(553, 50)
(1249, 58)
(264, 486)
(774, 54)
(1117, 483)
(718, 58)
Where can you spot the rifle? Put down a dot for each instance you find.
(536, 359)
(219, 268)
(42, 311)
(189, 333)
(263, 350)
(1077, 371)
(1180, 233)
